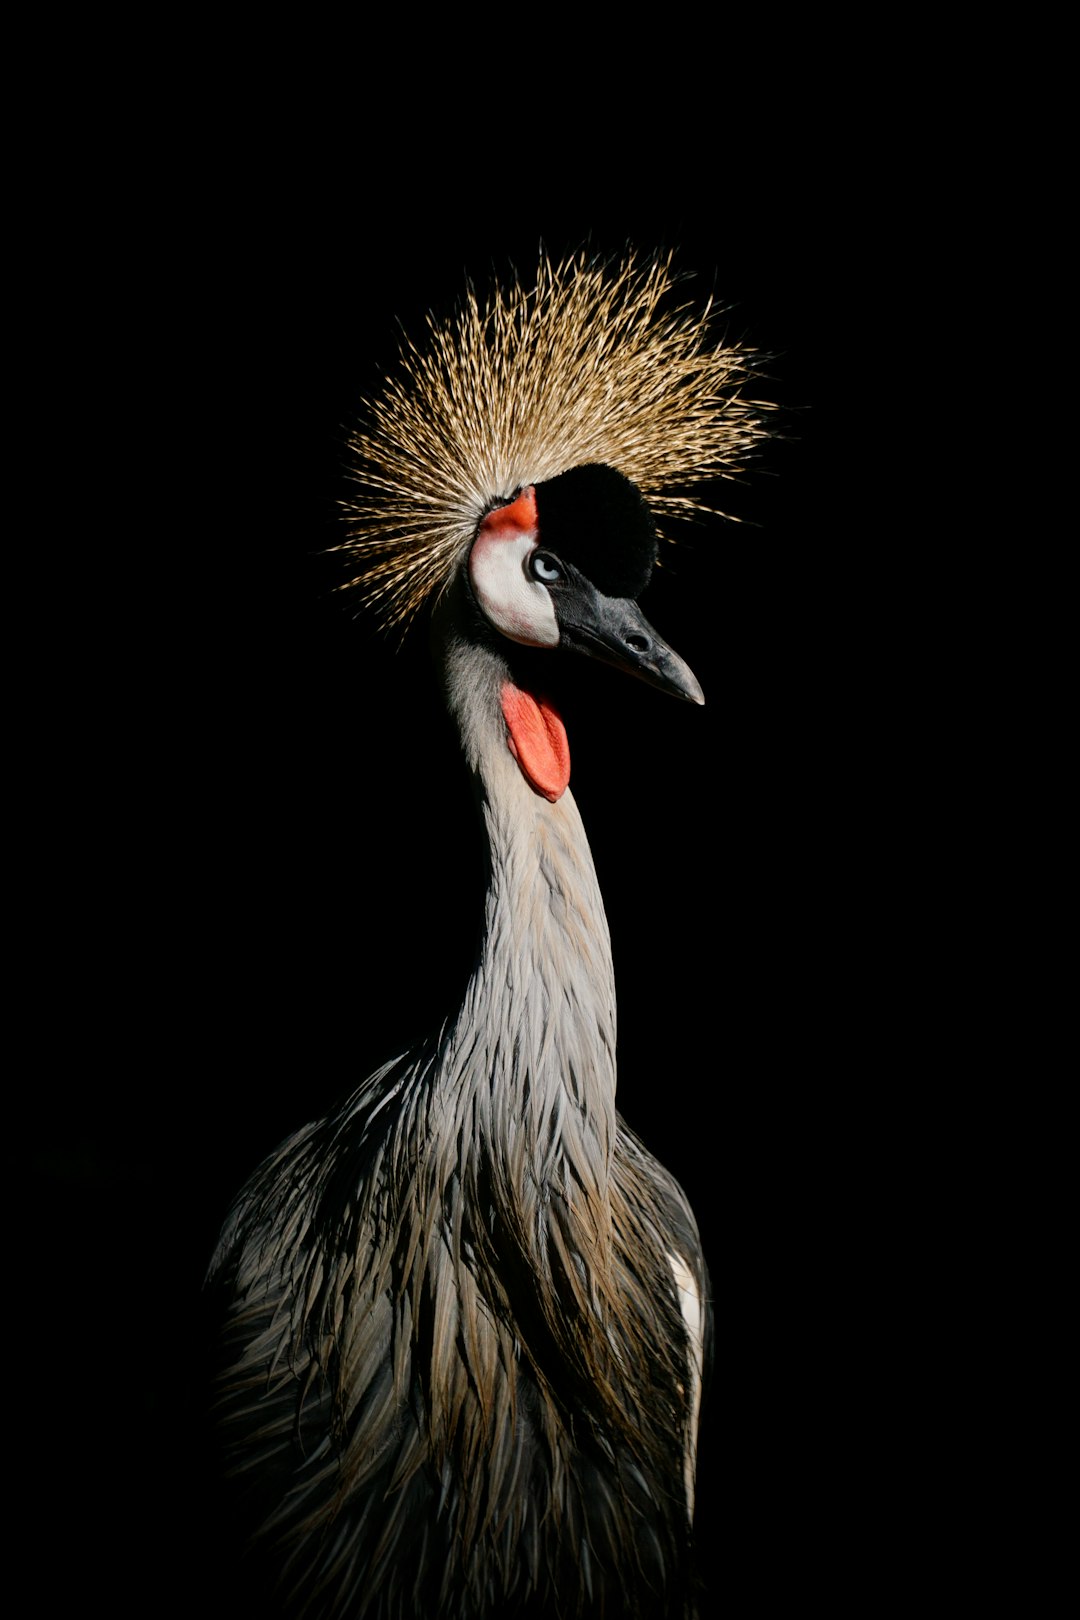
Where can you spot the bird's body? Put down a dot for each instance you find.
(465, 1313)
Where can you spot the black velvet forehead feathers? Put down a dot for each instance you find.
(596, 519)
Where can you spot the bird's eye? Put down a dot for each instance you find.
(544, 567)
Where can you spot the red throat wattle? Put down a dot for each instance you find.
(536, 737)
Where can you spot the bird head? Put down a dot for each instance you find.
(549, 387)
(562, 563)
(522, 457)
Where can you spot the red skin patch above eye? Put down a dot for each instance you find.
(537, 739)
(517, 518)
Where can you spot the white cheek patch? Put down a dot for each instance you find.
(518, 607)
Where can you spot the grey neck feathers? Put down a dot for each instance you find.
(534, 1043)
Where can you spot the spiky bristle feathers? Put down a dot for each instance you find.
(588, 365)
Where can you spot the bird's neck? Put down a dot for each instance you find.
(534, 1043)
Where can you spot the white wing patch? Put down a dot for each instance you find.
(693, 1317)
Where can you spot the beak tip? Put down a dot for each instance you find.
(689, 686)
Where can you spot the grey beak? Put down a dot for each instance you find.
(614, 629)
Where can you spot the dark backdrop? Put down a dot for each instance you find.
(265, 872)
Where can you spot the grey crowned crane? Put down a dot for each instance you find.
(466, 1314)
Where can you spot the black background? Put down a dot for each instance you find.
(263, 872)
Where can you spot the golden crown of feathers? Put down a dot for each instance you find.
(588, 365)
